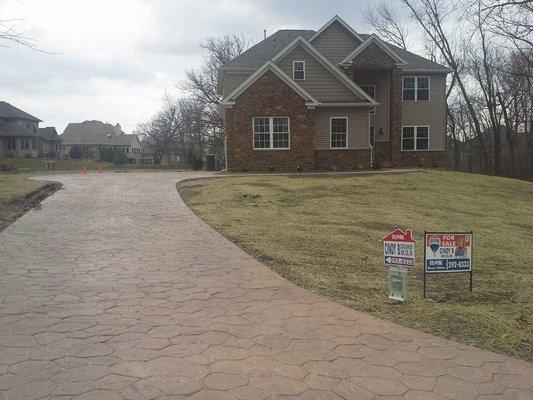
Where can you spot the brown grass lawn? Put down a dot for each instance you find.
(323, 233)
(18, 194)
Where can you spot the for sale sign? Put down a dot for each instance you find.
(399, 248)
(448, 252)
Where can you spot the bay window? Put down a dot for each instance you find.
(271, 132)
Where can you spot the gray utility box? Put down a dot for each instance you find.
(211, 160)
(398, 283)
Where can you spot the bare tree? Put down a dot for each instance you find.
(432, 17)
(201, 84)
(163, 132)
(11, 34)
(384, 20)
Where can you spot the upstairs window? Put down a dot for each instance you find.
(339, 132)
(415, 138)
(298, 70)
(271, 132)
(371, 91)
(416, 88)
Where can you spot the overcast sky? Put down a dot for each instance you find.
(114, 59)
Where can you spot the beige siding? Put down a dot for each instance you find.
(430, 113)
(319, 82)
(381, 80)
(357, 126)
(232, 81)
(335, 42)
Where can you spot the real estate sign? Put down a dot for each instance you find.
(399, 256)
(448, 252)
(399, 249)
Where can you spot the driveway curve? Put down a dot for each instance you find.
(114, 289)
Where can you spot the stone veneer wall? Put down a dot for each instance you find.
(269, 96)
(396, 116)
(342, 160)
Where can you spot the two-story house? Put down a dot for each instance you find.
(20, 135)
(94, 136)
(331, 99)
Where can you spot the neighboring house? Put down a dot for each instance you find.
(20, 135)
(93, 136)
(332, 100)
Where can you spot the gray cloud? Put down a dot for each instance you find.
(118, 57)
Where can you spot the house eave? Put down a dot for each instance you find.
(348, 104)
(427, 71)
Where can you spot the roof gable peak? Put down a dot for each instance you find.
(338, 19)
(380, 43)
(336, 72)
(268, 66)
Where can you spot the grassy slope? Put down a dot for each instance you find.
(323, 233)
(13, 189)
(38, 164)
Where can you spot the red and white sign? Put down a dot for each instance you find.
(399, 248)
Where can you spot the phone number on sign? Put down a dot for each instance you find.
(457, 265)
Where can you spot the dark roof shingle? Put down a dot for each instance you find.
(9, 111)
(263, 51)
(49, 133)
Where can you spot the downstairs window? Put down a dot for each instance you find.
(338, 132)
(271, 132)
(415, 138)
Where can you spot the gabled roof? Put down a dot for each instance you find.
(125, 139)
(261, 52)
(9, 111)
(49, 133)
(351, 85)
(269, 66)
(376, 40)
(89, 133)
(338, 19)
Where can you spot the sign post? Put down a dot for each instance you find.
(399, 256)
(448, 252)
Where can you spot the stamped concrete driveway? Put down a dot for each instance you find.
(115, 290)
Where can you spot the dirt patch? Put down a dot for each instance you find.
(15, 209)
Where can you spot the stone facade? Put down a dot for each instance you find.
(342, 160)
(423, 159)
(270, 96)
(373, 57)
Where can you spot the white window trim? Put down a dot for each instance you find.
(293, 70)
(416, 135)
(271, 131)
(416, 87)
(369, 140)
(331, 133)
